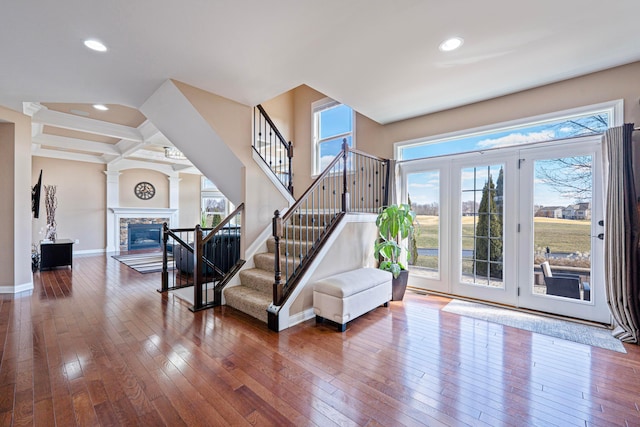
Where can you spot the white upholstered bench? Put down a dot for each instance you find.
(345, 296)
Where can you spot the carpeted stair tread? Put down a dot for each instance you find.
(314, 218)
(302, 232)
(255, 293)
(266, 261)
(292, 247)
(249, 301)
(258, 279)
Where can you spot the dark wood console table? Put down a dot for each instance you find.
(56, 254)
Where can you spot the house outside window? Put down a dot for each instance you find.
(332, 122)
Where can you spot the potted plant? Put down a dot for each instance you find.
(395, 223)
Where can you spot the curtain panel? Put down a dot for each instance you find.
(621, 233)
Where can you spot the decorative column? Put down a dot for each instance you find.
(174, 198)
(113, 201)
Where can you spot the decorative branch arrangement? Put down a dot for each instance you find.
(51, 203)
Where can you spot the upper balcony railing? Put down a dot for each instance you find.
(274, 150)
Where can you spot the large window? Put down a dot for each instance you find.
(501, 206)
(332, 122)
(591, 120)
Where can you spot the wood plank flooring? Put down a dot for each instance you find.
(97, 345)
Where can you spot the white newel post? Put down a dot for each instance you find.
(113, 201)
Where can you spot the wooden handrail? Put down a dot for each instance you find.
(224, 222)
(273, 126)
(274, 161)
(341, 181)
(205, 271)
(312, 187)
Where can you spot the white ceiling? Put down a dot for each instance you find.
(380, 57)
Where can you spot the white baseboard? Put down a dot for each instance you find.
(16, 289)
(89, 252)
(303, 316)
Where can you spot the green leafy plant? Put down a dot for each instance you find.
(395, 223)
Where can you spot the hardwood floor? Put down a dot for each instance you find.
(99, 346)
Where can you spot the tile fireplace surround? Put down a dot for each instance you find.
(118, 234)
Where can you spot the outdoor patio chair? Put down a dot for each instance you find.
(564, 285)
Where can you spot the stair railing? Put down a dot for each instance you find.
(218, 250)
(272, 148)
(353, 182)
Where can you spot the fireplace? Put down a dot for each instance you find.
(118, 220)
(144, 236)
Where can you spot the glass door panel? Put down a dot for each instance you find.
(562, 226)
(561, 266)
(427, 184)
(483, 255)
(481, 220)
(424, 244)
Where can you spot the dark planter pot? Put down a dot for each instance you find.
(399, 285)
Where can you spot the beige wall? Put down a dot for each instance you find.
(7, 172)
(280, 109)
(129, 178)
(303, 97)
(189, 200)
(15, 209)
(81, 195)
(353, 248)
(617, 83)
(232, 122)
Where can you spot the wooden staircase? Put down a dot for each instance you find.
(353, 182)
(255, 292)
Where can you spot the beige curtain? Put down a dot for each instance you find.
(393, 183)
(621, 233)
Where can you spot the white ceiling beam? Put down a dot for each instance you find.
(123, 164)
(65, 155)
(83, 124)
(65, 143)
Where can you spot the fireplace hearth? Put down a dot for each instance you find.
(144, 236)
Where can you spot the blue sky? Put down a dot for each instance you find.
(423, 187)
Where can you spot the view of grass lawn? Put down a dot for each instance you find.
(559, 235)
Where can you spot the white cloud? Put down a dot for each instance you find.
(429, 184)
(517, 138)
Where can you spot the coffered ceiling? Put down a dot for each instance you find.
(380, 57)
(76, 131)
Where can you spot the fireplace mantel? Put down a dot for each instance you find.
(143, 211)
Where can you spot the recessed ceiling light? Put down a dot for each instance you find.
(451, 44)
(95, 45)
(100, 107)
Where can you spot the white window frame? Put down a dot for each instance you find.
(317, 107)
(615, 109)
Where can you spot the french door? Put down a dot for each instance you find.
(490, 220)
(561, 225)
(483, 249)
